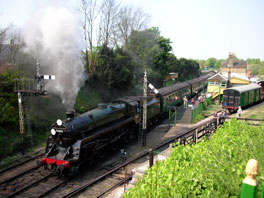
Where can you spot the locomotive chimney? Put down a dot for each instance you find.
(70, 115)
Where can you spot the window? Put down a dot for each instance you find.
(211, 83)
(223, 84)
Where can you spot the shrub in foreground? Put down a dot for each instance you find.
(213, 168)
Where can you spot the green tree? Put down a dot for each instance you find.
(217, 64)
(115, 68)
(261, 71)
(143, 47)
(210, 62)
(162, 59)
(8, 99)
(254, 61)
(186, 68)
(201, 63)
(255, 68)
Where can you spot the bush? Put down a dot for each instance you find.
(213, 168)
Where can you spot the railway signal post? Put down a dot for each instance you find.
(25, 88)
(142, 138)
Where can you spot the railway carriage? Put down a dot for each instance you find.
(243, 96)
(173, 95)
(196, 85)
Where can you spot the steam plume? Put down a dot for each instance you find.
(53, 36)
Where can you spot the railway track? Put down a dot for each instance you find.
(19, 170)
(27, 179)
(38, 183)
(20, 161)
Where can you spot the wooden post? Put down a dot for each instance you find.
(196, 135)
(150, 158)
(170, 148)
(250, 184)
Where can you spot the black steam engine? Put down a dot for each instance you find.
(83, 138)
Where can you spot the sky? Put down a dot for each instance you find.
(198, 29)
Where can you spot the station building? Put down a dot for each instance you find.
(234, 72)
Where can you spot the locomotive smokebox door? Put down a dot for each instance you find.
(70, 115)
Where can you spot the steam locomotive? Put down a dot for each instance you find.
(83, 138)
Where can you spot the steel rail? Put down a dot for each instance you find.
(19, 175)
(28, 186)
(21, 163)
(115, 186)
(53, 188)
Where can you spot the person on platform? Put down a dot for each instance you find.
(224, 114)
(185, 102)
(193, 104)
(239, 112)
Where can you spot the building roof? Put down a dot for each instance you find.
(219, 77)
(245, 88)
(239, 76)
(236, 64)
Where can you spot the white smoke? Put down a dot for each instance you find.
(52, 35)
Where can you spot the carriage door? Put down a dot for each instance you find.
(231, 98)
(237, 99)
(225, 97)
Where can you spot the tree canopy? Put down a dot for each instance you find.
(114, 68)
(8, 99)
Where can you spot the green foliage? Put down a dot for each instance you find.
(254, 61)
(217, 64)
(201, 63)
(213, 168)
(10, 142)
(114, 68)
(210, 62)
(143, 47)
(86, 100)
(8, 99)
(162, 59)
(256, 66)
(187, 69)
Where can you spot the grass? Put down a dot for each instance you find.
(213, 107)
(254, 113)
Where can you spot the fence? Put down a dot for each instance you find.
(202, 106)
